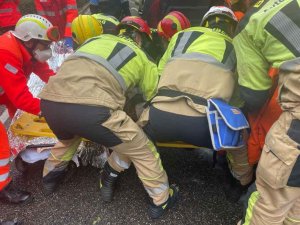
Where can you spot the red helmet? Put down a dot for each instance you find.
(172, 23)
(137, 23)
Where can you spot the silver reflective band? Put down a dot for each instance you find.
(230, 61)
(113, 175)
(157, 190)
(71, 7)
(291, 65)
(68, 24)
(287, 28)
(4, 162)
(204, 58)
(182, 43)
(104, 63)
(120, 162)
(120, 57)
(6, 10)
(47, 13)
(3, 177)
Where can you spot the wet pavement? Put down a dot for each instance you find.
(202, 200)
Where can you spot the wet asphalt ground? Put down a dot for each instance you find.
(78, 201)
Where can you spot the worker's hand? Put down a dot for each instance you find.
(68, 42)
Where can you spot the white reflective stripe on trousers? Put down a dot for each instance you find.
(4, 162)
(120, 162)
(3, 177)
(157, 190)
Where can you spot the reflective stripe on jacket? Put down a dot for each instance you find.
(203, 44)
(9, 13)
(60, 13)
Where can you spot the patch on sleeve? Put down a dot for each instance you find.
(11, 68)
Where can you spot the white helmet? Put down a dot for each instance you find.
(34, 26)
(219, 10)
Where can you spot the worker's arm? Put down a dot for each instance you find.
(252, 67)
(149, 80)
(14, 83)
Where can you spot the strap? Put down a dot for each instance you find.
(104, 63)
(172, 93)
(184, 40)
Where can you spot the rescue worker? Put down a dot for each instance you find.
(88, 26)
(172, 23)
(9, 15)
(117, 8)
(86, 99)
(23, 51)
(191, 73)
(267, 37)
(60, 13)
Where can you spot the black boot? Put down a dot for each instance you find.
(52, 180)
(156, 211)
(232, 187)
(108, 178)
(12, 195)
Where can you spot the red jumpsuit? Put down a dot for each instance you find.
(16, 65)
(60, 13)
(9, 13)
(4, 158)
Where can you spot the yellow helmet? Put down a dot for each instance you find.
(85, 27)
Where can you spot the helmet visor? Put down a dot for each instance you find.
(53, 34)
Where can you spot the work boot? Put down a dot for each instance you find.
(156, 211)
(108, 178)
(234, 191)
(232, 187)
(12, 195)
(52, 180)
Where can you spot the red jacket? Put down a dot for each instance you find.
(9, 13)
(16, 64)
(60, 13)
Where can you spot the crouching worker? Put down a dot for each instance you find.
(23, 51)
(86, 99)
(198, 65)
